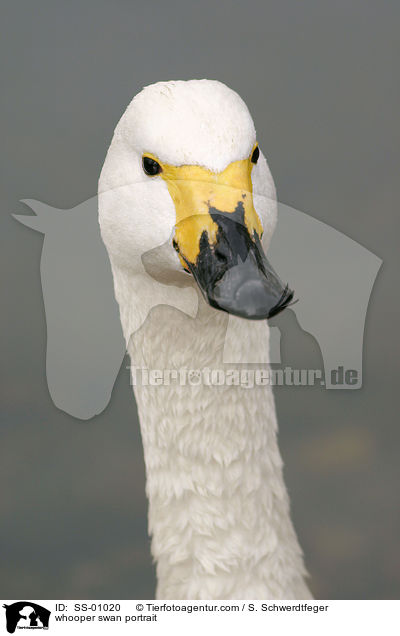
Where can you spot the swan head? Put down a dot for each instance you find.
(186, 194)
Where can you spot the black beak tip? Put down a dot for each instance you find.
(253, 300)
(284, 301)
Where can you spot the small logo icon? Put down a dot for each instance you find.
(26, 615)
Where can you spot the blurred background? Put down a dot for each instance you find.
(321, 81)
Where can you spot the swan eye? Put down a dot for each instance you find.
(151, 167)
(255, 155)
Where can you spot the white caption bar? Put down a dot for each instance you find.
(183, 617)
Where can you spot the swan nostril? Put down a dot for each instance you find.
(221, 255)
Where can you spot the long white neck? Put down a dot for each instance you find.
(218, 507)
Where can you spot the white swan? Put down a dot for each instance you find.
(184, 172)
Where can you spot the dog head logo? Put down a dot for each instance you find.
(26, 615)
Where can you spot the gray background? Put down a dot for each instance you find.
(321, 80)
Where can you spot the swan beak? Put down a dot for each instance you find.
(217, 237)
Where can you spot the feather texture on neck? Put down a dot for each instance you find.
(218, 507)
